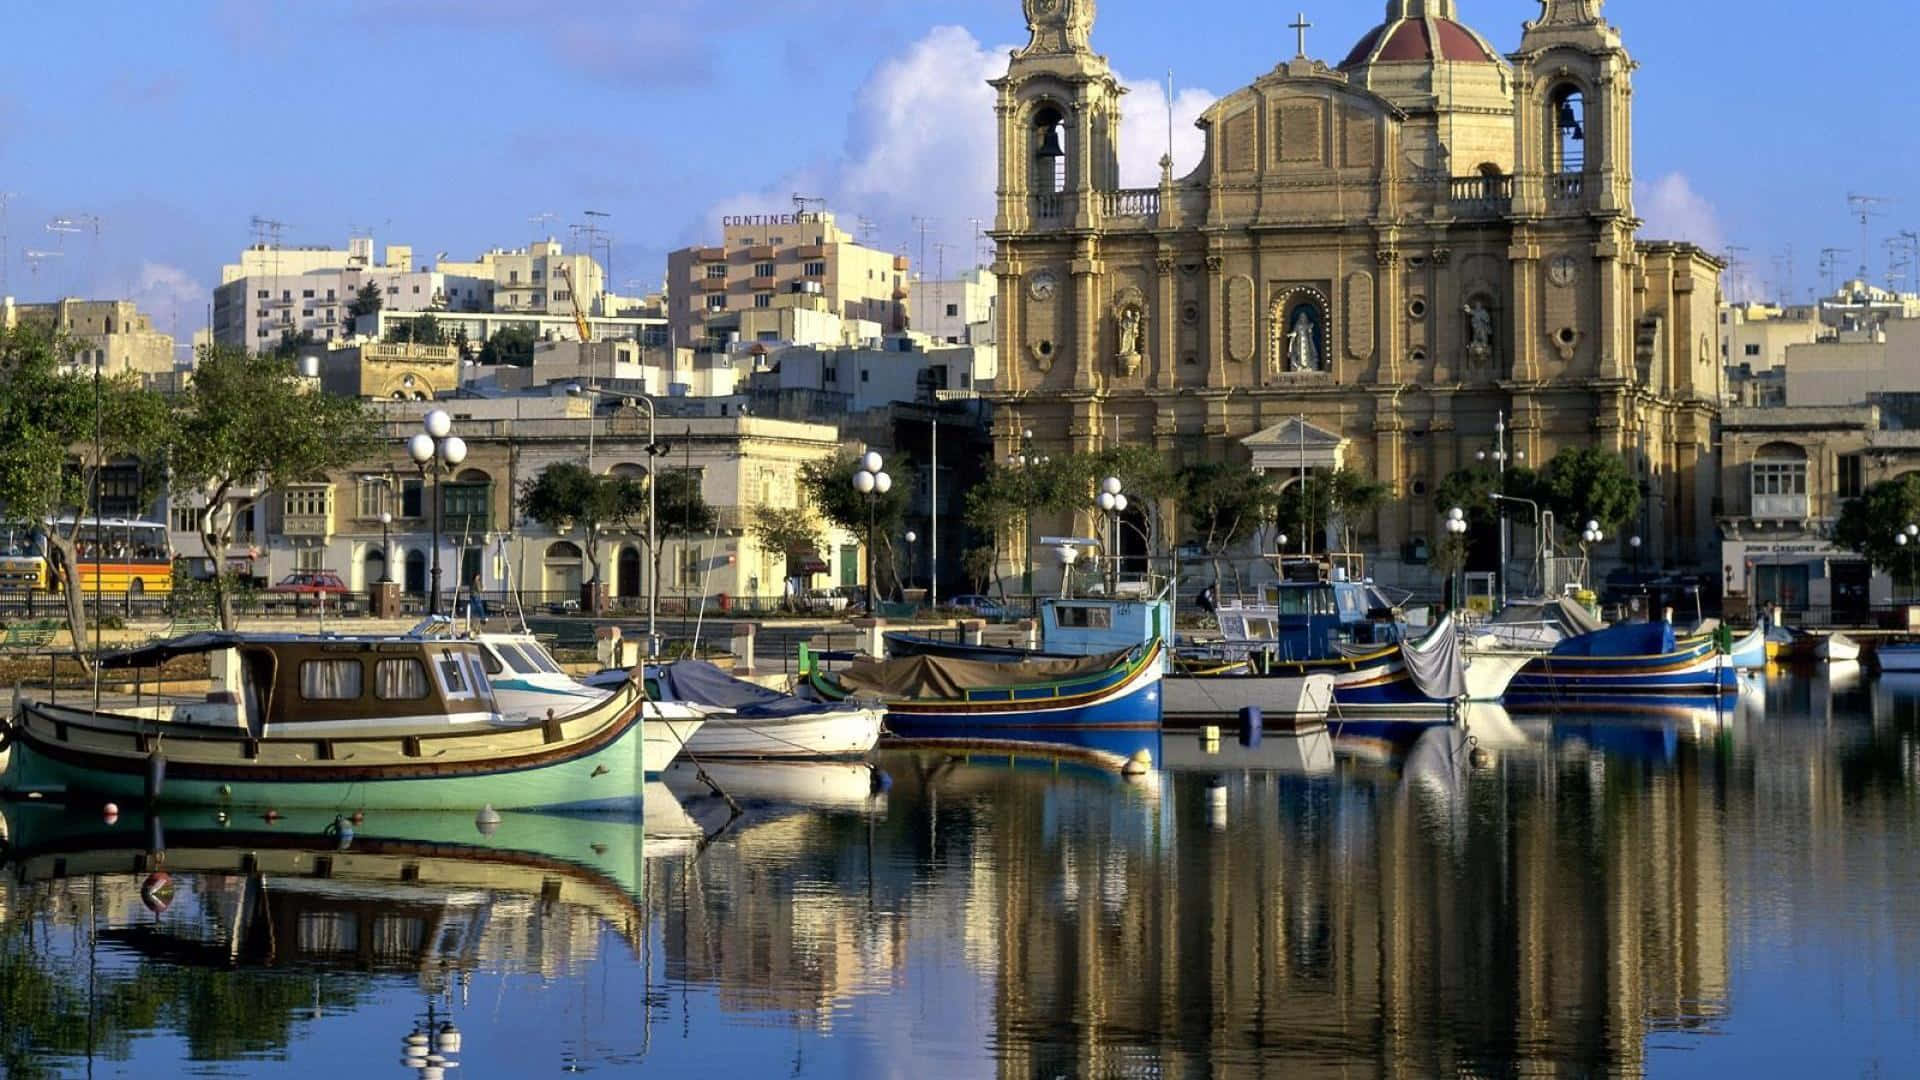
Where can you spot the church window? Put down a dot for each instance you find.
(1050, 151)
(1569, 130)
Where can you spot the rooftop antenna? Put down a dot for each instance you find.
(80, 223)
(1829, 262)
(593, 231)
(802, 202)
(1785, 262)
(266, 234)
(940, 280)
(1866, 208)
(866, 228)
(34, 259)
(1736, 270)
(540, 223)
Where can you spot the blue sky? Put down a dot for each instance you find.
(449, 125)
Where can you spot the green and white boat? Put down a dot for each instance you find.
(331, 723)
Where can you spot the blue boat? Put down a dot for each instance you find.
(1621, 665)
(1749, 653)
(931, 697)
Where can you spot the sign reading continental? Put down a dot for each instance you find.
(732, 220)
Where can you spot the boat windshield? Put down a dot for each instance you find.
(1304, 600)
(517, 660)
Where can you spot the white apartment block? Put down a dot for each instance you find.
(958, 310)
(764, 257)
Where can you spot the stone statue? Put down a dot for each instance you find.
(1480, 325)
(1129, 332)
(1302, 353)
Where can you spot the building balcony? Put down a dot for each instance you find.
(811, 251)
(307, 526)
(1131, 203)
(1781, 508)
(1565, 188)
(762, 251)
(761, 284)
(710, 254)
(710, 285)
(900, 264)
(1480, 196)
(1049, 209)
(456, 524)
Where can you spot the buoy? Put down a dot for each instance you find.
(1251, 724)
(449, 1038)
(156, 892)
(487, 820)
(110, 813)
(220, 818)
(342, 832)
(1138, 764)
(270, 816)
(357, 817)
(414, 1038)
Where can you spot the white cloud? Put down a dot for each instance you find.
(170, 297)
(920, 143)
(1672, 210)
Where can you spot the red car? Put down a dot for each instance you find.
(310, 583)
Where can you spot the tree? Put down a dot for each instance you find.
(248, 427)
(829, 485)
(512, 345)
(422, 329)
(1225, 504)
(1585, 483)
(567, 495)
(291, 344)
(59, 429)
(460, 343)
(367, 301)
(1868, 525)
(1342, 496)
(789, 531)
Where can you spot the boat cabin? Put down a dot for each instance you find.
(1319, 609)
(274, 686)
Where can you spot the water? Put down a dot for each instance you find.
(1676, 896)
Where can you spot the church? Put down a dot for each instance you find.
(1394, 263)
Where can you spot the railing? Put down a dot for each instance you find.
(1480, 196)
(1566, 187)
(307, 525)
(1049, 207)
(1131, 203)
(1781, 507)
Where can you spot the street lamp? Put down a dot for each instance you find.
(1112, 503)
(386, 549)
(1457, 532)
(1500, 457)
(911, 537)
(872, 482)
(436, 449)
(1025, 457)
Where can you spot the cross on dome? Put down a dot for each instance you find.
(1300, 26)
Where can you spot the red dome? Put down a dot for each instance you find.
(1418, 40)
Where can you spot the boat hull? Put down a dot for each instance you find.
(1281, 699)
(846, 733)
(1898, 658)
(1368, 685)
(1699, 671)
(589, 762)
(1750, 652)
(1836, 648)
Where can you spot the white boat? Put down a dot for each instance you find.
(529, 684)
(746, 720)
(1836, 648)
(1490, 668)
(1283, 700)
(1904, 656)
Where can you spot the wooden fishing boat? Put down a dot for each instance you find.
(943, 698)
(1898, 657)
(1836, 648)
(328, 722)
(1622, 665)
(1749, 652)
(751, 721)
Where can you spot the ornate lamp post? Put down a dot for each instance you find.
(1024, 459)
(1905, 539)
(1112, 503)
(1500, 458)
(911, 537)
(873, 483)
(437, 450)
(1457, 533)
(386, 548)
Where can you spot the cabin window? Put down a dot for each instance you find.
(330, 680)
(1317, 601)
(490, 663)
(453, 677)
(401, 679)
(517, 660)
(540, 658)
(1085, 618)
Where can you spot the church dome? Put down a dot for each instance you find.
(1420, 31)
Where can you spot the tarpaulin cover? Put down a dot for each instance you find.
(701, 683)
(1436, 664)
(1627, 639)
(940, 678)
(1570, 617)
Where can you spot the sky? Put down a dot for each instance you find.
(161, 130)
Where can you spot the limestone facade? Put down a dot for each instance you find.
(1405, 250)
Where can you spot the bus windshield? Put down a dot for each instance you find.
(19, 542)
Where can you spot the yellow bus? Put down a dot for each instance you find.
(116, 556)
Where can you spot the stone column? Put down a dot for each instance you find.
(1168, 327)
(1216, 323)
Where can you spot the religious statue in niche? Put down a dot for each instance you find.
(1303, 339)
(1479, 330)
(1129, 331)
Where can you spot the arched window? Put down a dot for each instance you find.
(1569, 116)
(1049, 151)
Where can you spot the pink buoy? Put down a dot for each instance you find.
(110, 813)
(156, 892)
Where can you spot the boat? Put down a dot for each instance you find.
(1749, 652)
(529, 684)
(296, 721)
(1624, 666)
(1898, 657)
(1835, 648)
(746, 720)
(1103, 702)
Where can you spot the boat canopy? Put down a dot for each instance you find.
(1571, 618)
(940, 677)
(153, 654)
(701, 683)
(1626, 639)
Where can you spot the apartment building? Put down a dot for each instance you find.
(764, 256)
(109, 334)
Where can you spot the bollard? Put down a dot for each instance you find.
(745, 635)
(1250, 726)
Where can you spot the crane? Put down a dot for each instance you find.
(579, 316)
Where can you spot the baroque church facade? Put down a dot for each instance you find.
(1412, 251)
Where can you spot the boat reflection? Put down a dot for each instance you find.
(1308, 753)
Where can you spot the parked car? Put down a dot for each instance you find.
(984, 606)
(310, 583)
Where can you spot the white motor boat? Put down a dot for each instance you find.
(1836, 648)
(746, 720)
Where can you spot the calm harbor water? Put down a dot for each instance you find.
(1679, 896)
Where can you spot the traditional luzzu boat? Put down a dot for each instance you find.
(753, 721)
(345, 723)
(1101, 702)
(1749, 652)
(1627, 666)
